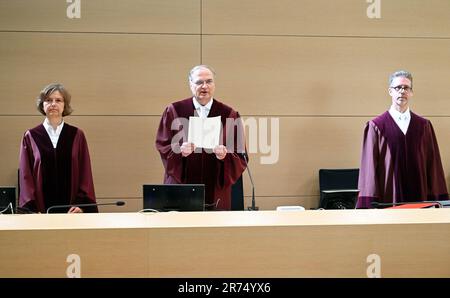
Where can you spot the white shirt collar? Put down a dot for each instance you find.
(53, 134)
(48, 127)
(206, 108)
(401, 119)
(405, 116)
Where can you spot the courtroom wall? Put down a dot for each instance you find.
(317, 68)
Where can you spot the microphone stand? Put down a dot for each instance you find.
(253, 206)
(118, 203)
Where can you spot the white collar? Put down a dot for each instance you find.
(50, 129)
(400, 116)
(197, 105)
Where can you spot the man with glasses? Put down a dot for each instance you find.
(218, 168)
(400, 159)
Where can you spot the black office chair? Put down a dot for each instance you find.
(237, 195)
(338, 188)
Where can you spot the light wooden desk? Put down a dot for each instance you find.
(321, 243)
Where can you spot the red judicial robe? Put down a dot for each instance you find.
(55, 176)
(400, 168)
(202, 168)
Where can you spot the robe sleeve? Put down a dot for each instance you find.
(27, 183)
(82, 181)
(368, 182)
(172, 161)
(436, 185)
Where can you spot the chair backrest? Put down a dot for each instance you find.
(338, 188)
(237, 195)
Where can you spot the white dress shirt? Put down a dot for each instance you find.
(202, 111)
(402, 119)
(53, 134)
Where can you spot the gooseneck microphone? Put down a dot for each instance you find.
(117, 203)
(253, 206)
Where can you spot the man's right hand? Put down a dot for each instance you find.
(187, 148)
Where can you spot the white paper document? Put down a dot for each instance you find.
(204, 132)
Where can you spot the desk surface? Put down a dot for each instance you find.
(313, 243)
(223, 219)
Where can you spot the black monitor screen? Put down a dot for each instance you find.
(174, 197)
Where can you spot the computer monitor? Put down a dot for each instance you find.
(174, 197)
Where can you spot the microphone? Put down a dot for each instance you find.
(253, 206)
(117, 203)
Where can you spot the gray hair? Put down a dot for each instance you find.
(401, 73)
(47, 91)
(202, 66)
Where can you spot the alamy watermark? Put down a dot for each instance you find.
(259, 132)
(73, 11)
(374, 268)
(74, 268)
(374, 9)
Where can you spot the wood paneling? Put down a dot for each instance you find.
(104, 257)
(321, 66)
(156, 16)
(106, 73)
(326, 76)
(327, 18)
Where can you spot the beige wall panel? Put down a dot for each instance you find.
(155, 16)
(124, 157)
(306, 144)
(323, 17)
(326, 76)
(106, 73)
(123, 153)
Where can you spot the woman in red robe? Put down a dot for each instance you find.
(54, 162)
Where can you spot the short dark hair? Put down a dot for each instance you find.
(400, 73)
(49, 89)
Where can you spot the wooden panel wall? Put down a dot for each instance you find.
(319, 67)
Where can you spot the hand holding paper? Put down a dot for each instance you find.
(187, 148)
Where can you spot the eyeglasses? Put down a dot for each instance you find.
(207, 82)
(57, 100)
(400, 87)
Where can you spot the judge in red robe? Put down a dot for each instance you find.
(54, 163)
(183, 162)
(400, 156)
